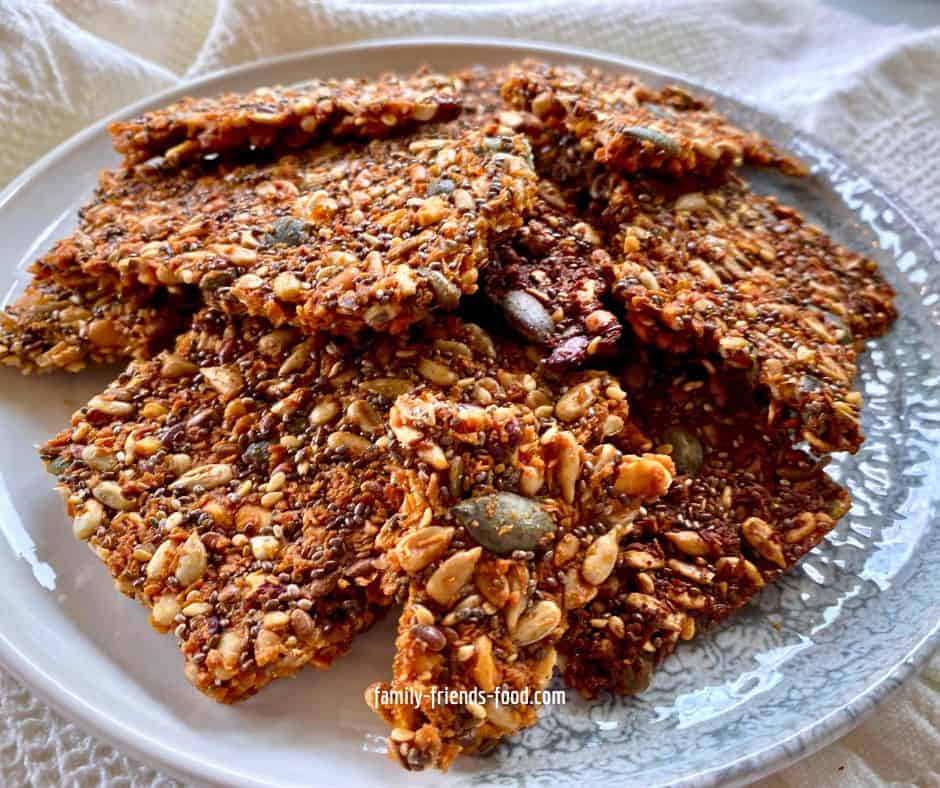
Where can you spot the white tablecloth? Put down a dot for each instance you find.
(872, 92)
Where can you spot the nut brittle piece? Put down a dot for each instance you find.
(234, 486)
(744, 507)
(728, 272)
(67, 320)
(333, 238)
(548, 280)
(287, 116)
(516, 467)
(630, 127)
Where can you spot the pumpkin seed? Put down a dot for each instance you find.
(216, 280)
(525, 314)
(654, 137)
(504, 522)
(58, 466)
(288, 231)
(445, 291)
(841, 329)
(441, 186)
(687, 452)
(498, 144)
(810, 384)
(839, 507)
(637, 677)
(659, 110)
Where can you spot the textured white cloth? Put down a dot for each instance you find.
(872, 92)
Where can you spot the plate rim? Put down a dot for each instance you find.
(765, 761)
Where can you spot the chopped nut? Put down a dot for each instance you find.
(175, 366)
(225, 380)
(264, 548)
(689, 542)
(601, 557)
(576, 401)
(436, 373)
(484, 669)
(165, 610)
(111, 407)
(88, 520)
(763, 539)
(159, 565)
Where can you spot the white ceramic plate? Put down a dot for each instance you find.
(790, 673)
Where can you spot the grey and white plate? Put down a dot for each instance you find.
(795, 670)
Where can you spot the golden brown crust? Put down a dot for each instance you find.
(287, 116)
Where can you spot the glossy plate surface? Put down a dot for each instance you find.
(792, 672)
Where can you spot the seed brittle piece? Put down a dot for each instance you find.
(157, 228)
(630, 127)
(287, 116)
(234, 486)
(728, 272)
(332, 238)
(516, 468)
(744, 508)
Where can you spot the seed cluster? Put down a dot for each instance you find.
(267, 494)
(549, 281)
(537, 373)
(738, 276)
